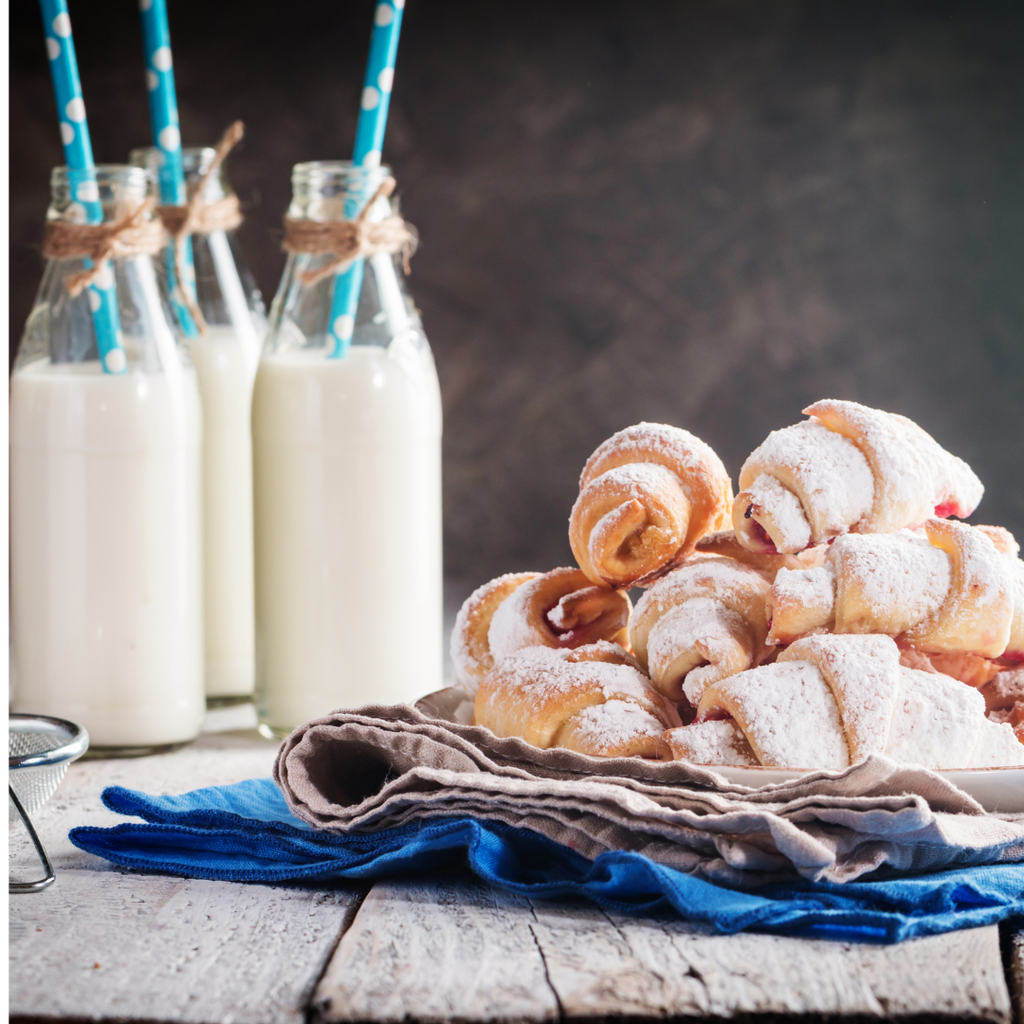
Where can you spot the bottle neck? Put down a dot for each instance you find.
(324, 190)
(195, 161)
(102, 195)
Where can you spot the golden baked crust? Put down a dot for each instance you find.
(647, 495)
(594, 700)
(560, 608)
(703, 621)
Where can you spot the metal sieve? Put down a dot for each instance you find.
(41, 748)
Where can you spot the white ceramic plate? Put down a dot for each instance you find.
(1000, 790)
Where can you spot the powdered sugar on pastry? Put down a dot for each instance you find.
(998, 747)
(470, 648)
(717, 741)
(863, 673)
(826, 474)
(609, 729)
(559, 609)
(779, 511)
(937, 722)
(647, 495)
(787, 713)
(915, 477)
(977, 610)
(899, 476)
(870, 583)
(705, 620)
(887, 580)
(541, 694)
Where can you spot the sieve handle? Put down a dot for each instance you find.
(41, 883)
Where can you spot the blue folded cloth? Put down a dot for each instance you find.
(246, 833)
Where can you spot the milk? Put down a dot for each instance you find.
(348, 530)
(106, 594)
(225, 363)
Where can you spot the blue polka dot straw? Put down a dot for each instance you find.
(163, 115)
(373, 117)
(74, 134)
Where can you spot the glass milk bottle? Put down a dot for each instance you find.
(347, 464)
(225, 358)
(106, 593)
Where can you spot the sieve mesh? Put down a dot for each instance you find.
(35, 785)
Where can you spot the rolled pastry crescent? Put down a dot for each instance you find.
(831, 701)
(704, 621)
(725, 542)
(594, 700)
(647, 495)
(847, 469)
(951, 591)
(560, 608)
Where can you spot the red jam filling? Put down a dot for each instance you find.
(762, 536)
(946, 509)
(714, 715)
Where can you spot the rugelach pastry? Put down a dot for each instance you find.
(647, 496)
(561, 608)
(831, 701)
(594, 700)
(847, 469)
(704, 621)
(952, 590)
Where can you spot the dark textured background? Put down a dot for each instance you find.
(703, 213)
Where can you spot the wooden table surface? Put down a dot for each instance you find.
(102, 944)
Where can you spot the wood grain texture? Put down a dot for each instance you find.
(104, 944)
(453, 949)
(1015, 973)
(649, 968)
(446, 947)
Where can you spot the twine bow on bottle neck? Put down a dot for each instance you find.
(348, 240)
(134, 234)
(198, 216)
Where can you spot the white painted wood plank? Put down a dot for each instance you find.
(444, 947)
(1016, 973)
(103, 944)
(601, 965)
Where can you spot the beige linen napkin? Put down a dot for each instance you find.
(384, 766)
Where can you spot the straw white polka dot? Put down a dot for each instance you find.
(399, 4)
(52, 48)
(372, 158)
(152, 80)
(62, 26)
(87, 192)
(115, 361)
(162, 59)
(67, 133)
(344, 325)
(371, 97)
(144, 5)
(386, 79)
(75, 109)
(169, 138)
(76, 213)
(383, 15)
(94, 301)
(104, 279)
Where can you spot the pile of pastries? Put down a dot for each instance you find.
(843, 615)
